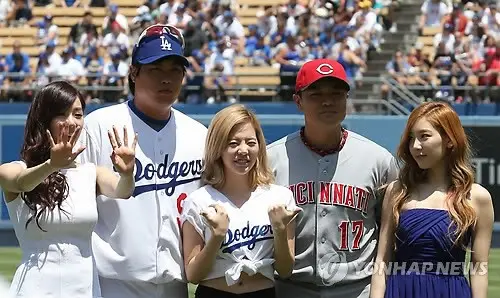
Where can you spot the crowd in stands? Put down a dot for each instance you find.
(458, 58)
(283, 36)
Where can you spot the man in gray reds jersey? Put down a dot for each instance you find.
(334, 174)
(136, 242)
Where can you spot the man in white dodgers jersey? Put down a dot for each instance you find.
(137, 245)
(334, 175)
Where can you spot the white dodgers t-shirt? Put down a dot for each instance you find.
(249, 243)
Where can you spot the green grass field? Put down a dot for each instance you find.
(9, 259)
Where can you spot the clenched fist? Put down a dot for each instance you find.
(280, 217)
(217, 218)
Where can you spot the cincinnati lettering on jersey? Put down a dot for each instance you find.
(331, 193)
(248, 236)
(178, 172)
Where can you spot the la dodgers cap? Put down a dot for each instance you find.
(317, 69)
(157, 42)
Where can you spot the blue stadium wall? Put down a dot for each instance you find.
(280, 119)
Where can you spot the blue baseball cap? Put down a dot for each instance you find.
(157, 42)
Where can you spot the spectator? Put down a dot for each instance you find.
(267, 23)
(220, 66)
(20, 14)
(258, 50)
(42, 76)
(457, 19)
(491, 20)
(116, 39)
(94, 65)
(398, 67)
(113, 75)
(194, 91)
(433, 13)
(98, 3)
(168, 8)
(70, 69)
(54, 58)
(4, 12)
(447, 37)
(83, 26)
(47, 31)
(194, 38)
(88, 40)
(16, 50)
(70, 3)
(229, 25)
(180, 17)
(43, 2)
(288, 57)
(112, 17)
(351, 62)
(17, 79)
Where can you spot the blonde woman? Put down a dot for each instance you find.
(239, 227)
(432, 213)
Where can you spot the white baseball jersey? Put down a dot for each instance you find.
(337, 229)
(249, 243)
(139, 239)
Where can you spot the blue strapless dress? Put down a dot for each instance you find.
(428, 264)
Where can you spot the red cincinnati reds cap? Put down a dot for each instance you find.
(317, 69)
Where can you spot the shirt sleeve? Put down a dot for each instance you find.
(290, 200)
(191, 213)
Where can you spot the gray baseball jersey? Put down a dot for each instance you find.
(336, 234)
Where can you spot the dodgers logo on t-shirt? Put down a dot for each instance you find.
(247, 236)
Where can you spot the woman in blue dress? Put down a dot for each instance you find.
(433, 214)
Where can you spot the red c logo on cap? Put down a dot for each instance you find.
(325, 69)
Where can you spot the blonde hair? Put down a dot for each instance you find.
(220, 130)
(446, 121)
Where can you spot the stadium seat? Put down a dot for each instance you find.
(259, 2)
(33, 51)
(126, 3)
(28, 31)
(68, 22)
(431, 31)
(98, 12)
(9, 41)
(426, 40)
(248, 12)
(245, 21)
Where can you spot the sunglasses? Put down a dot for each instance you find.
(156, 30)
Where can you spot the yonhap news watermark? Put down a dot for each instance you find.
(333, 267)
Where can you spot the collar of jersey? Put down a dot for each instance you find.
(145, 117)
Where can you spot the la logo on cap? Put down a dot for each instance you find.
(165, 45)
(324, 69)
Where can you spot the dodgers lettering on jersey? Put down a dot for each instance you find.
(167, 168)
(179, 173)
(249, 236)
(332, 193)
(249, 242)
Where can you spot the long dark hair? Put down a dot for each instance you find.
(52, 100)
